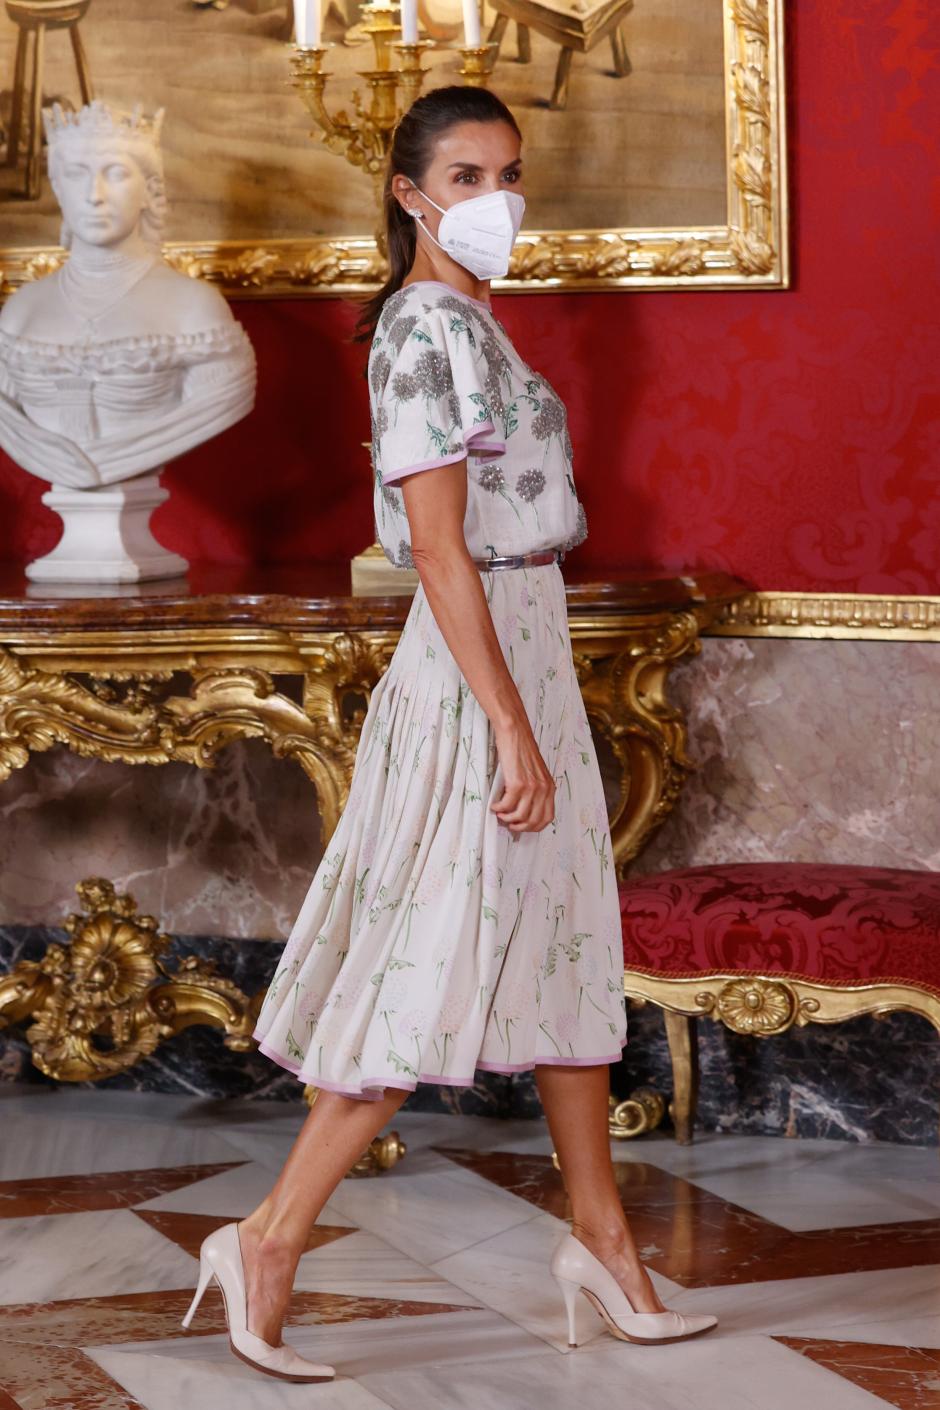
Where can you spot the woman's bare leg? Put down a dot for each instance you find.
(575, 1103)
(336, 1132)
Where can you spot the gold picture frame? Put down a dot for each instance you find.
(750, 250)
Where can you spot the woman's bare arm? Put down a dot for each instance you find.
(436, 505)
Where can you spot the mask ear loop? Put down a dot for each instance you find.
(419, 215)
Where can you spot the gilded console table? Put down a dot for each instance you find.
(175, 670)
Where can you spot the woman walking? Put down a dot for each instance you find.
(465, 914)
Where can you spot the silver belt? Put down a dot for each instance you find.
(522, 560)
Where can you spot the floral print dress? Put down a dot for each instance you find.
(434, 941)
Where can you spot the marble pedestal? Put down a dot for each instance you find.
(107, 535)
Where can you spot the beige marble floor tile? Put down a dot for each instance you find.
(87, 1255)
(820, 1306)
(374, 1348)
(363, 1263)
(216, 1379)
(413, 1206)
(746, 1373)
(509, 1272)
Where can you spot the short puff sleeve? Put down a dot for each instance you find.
(429, 389)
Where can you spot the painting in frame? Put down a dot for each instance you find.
(661, 164)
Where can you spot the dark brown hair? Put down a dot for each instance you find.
(412, 151)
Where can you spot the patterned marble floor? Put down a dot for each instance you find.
(427, 1288)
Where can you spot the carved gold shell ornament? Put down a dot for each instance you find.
(756, 1006)
(102, 1003)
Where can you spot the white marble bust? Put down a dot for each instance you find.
(114, 363)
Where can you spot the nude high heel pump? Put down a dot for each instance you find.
(220, 1257)
(576, 1269)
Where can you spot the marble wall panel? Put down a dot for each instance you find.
(825, 751)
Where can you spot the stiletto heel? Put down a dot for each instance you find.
(205, 1277)
(576, 1269)
(569, 1292)
(220, 1257)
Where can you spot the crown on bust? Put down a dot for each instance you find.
(98, 119)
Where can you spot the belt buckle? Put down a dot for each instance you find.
(520, 560)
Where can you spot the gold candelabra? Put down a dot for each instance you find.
(364, 138)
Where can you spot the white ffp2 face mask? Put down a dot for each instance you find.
(479, 233)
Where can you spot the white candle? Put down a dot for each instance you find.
(409, 21)
(471, 24)
(307, 23)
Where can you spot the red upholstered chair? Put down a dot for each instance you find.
(763, 945)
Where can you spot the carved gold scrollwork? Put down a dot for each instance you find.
(642, 1111)
(847, 615)
(130, 711)
(108, 999)
(625, 697)
(143, 724)
(759, 1006)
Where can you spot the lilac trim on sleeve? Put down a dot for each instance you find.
(423, 465)
(484, 428)
(490, 448)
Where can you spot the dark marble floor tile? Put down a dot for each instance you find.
(108, 1189)
(62, 1378)
(701, 1240)
(187, 1231)
(156, 1316)
(907, 1377)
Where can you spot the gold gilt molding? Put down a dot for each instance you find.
(625, 699)
(126, 714)
(107, 999)
(858, 616)
(749, 250)
(760, 1005)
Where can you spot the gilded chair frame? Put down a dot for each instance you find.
(760, 1005)
(749, 250)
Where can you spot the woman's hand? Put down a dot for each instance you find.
(527, 803)
(436, 504)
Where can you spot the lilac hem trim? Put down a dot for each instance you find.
(372, 1087)
(549, 1062)
(423, 465)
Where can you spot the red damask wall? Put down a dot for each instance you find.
(791, 437)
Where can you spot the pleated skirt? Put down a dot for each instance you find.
(433, 941)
